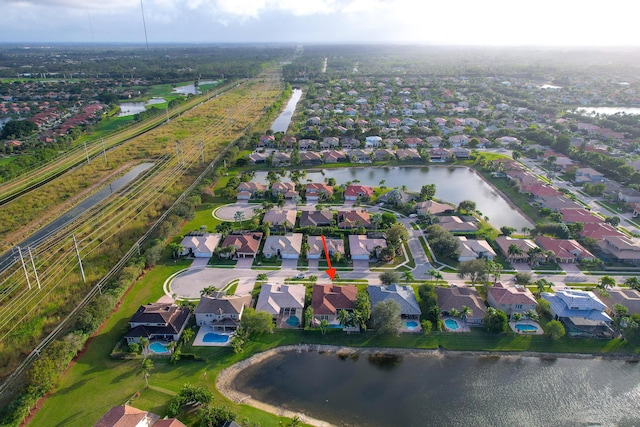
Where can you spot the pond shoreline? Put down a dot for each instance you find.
(225, 380)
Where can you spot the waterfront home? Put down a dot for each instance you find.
(310, 158)
(363, 248)
(316, 247)
(328, 300)
(323, 218)
(471, 249)
(285, 247)
(246, 244)
(457, 297)
(334, 156)
(282, 188)
(281, 301)
(280, 219)
(511, 299)
(125, 416)
(520, 251)
(565, 251)
(158, 321)
(221, 313)
(200, 246)
(629, 298)
(461, 153)
(408, 154)
(255, 189)
(621, 248)
(439, 154)
(354, 219)
(432, 207)
(538, 190)
(402, 295)
(581, 312)
(455, 224)
(557, 203)
(318, 191)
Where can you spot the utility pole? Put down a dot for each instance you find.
(104, 153)
(33, 264)
(86, 152)
(202, 151)
(24, 267)
(75, 243)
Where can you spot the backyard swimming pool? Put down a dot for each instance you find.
(410, 324)
(451, 324)
(525, 327)
(158, 347)
(213, 337)
(293, 321)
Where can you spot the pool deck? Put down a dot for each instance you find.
(205, 330)
(538, 331)
(462, 326)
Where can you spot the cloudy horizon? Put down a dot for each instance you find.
(466, 22)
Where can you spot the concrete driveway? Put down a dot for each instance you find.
(360, 264)
(245, 263)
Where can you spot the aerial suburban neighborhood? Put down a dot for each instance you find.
(420, 207)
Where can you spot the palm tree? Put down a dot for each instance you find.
(465, 313)
(187, 335)
(542, 285)
(407, 276)
(147, 367)
(324, 325)
(437, 275)
(535, 256)
(345, 318)
(514, 250)
(454, 312)
(144, 343)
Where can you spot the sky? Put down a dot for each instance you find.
(461, 22)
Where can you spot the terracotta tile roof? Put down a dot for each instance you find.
(510, 295)
(329, 299)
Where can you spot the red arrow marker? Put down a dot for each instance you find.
(330, 271)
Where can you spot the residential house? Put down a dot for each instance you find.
(565, 251)
(355, 192)
(458, 140)
(538, 190)
(556, 203)
(354, 219)
(280, 158)
(372, 141)
(511, 299)
(439, 154)
(362, 247)
(383, 155)
(455, 224)
(461, 153)
(458, 297)
(628, 195)
(620, 248)
(318, 191)
(334, 156)
(328, 300)
(506, 140)
(266, 141)
(414, 142)
(307, 144)
(280, 219)
(246, 244)
(360, 156)
(578, 215)
(221, 313)
(200, 246)
(128, 416)
(329, 142)
(285, 247)
(629, 298)
(282, 188)
(434, 141)
(158, 321)
(523, 246)
(471, 249)
(581, 312)
(316, 246)
(432, 207)
(310, 158)
(408, 154)
(402, 295)
(255, 189)
(599, 231)
(323, 218)
(589, 175)
(257, 158)
(281, 301)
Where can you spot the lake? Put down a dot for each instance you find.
(191, 89)
(131, 108)
(454, 184)
(592, 111)
(281, 124)
(452, 390)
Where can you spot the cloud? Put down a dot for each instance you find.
(73, 4)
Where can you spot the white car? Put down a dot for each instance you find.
(300, 276)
